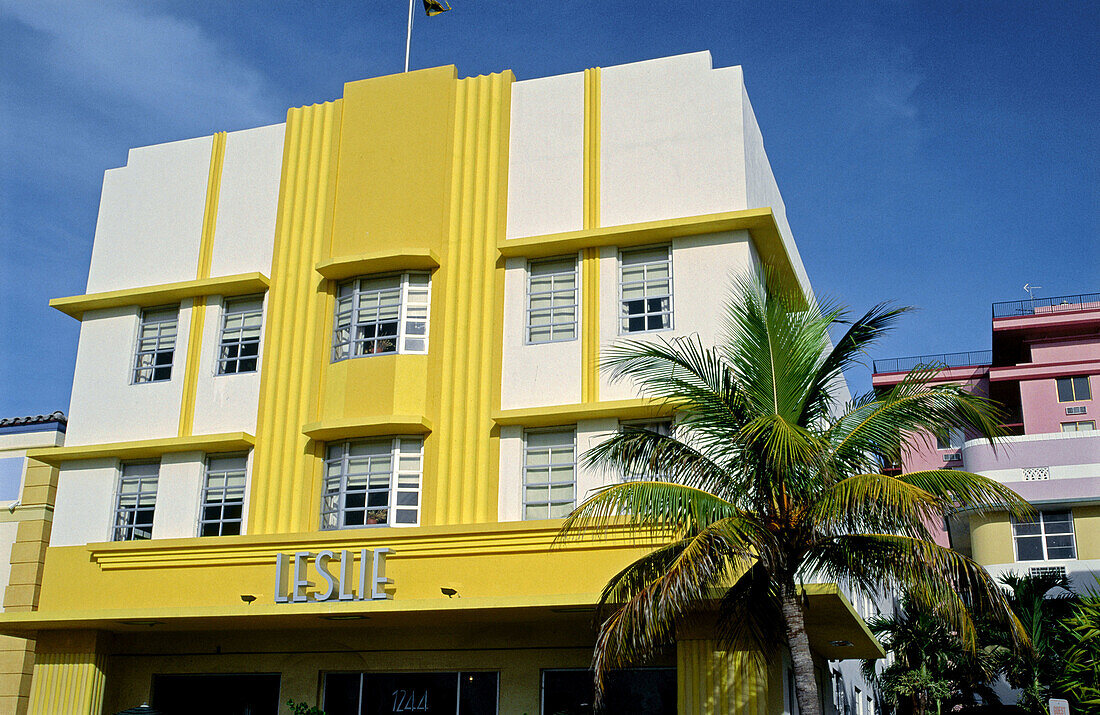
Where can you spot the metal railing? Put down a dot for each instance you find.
(1045, 306)
(905, 364)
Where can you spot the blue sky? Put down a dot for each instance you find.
(935, 154)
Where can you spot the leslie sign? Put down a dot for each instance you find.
(331, 574)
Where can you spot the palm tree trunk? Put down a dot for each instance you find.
(805, 684)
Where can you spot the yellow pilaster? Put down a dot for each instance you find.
(285, 470)
(69, 674)
(198, 305)
(590, 260)
(24, 584)
(714, 681)
(465, 488)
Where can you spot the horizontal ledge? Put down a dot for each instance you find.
(414, 259)
(240, 284)
(328, 430)
(760, 223)
(146, 448)
(564, 414)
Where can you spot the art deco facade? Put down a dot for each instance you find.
(335, 379)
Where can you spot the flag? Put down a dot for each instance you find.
(434, 7)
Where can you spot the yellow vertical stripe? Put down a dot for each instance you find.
(198, 305)
(714, 681)
(285, 464)
(68, 683)
(592, 147)
(466, 480)
(590, 263)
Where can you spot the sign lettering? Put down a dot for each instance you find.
(293, 571)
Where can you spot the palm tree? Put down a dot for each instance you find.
(1042, 603)
(932, 666)
(769, 480)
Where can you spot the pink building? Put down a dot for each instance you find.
(1044, 369)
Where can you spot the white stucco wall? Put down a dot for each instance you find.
(104, 406)
(244, 234)
(670, 142)
(179, 488)
(701, 271)
(546, 156)
(540, 374)
(8, 531)
(85, 505)
(224, 403)
(150, 217)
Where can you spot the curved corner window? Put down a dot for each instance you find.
(372, 482)
(377, 315)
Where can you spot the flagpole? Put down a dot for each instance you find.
(409, 35)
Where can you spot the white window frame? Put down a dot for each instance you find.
(223, 491)
(529, 469)
(1043, 535)
(125, 523)
(164, 341)
(623, 317)
(222, 362)
(572, 325)
(397, 487)
(346, 349)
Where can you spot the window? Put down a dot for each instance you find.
(137, 499)
(552, 300)
(952, 440)
(645, 289)
(1082, 426)
(549, 473)
(239, 345)
(223, 496)
(156, 344)
(661, 427)
(1074, 389)
(630, 691)
(467, 693)
(379, 315)
(1048, 536)
(372, 482)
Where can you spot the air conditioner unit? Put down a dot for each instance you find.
(955, 457)
(1056, 571)
(1075, 410)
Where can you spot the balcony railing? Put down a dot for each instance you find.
(1046, 306)
(905, 364)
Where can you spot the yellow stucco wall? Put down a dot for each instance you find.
(991, 536)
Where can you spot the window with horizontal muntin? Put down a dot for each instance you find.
(1046, 536)
(223, 495)
(136, 502)
(239, 344)
(549, 473)
(378, 315)
(372, 482)
(661, 427)
(1074, 389)
(156, 344)
(645, 289)
(552, 300)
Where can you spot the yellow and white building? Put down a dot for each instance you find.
(335, 378)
